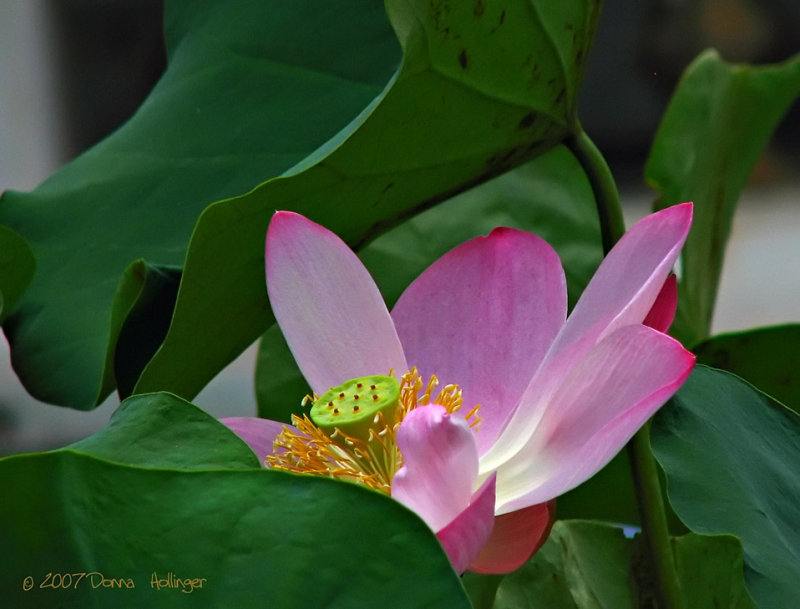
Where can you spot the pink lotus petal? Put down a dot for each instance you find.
(621, 293)
(662, 313)
(483, 316)
(259, 434)
(516, 537)
(630, 278)
(440, 467)
(468, 532)
(601, 403)
(328, 307)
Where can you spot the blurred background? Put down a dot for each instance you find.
(71, 71)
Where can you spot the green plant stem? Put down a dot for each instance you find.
(654, 519)
(612, 224)
(643, 466)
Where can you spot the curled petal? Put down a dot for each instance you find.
(505, 296)
(328, 307)
(662, 313)
(259, 433)
(468, 532)
(601, 403)
(516, 537)
(629, 279)
(620, 294)
(440, 465)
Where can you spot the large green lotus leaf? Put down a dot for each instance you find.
(710, 570)
(549, 196)
(764, 357)
(732, 459)
(253, 538)
(714, 130)
(251, 90)
(482, 88)
(582, 565)
(588, 565)
(252, 87)
(162, 430)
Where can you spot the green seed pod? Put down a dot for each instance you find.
(353, 405)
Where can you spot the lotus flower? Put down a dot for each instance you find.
(558, 396)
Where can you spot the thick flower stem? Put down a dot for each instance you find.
(654, 518)
(643, 466)
(612, 224)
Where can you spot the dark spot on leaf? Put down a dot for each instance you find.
(479, 8)
(387, 187)
(438, 11)
(499, 22)
(526, 121)
(462, 59)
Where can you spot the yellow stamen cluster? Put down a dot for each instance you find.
(372, 462)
